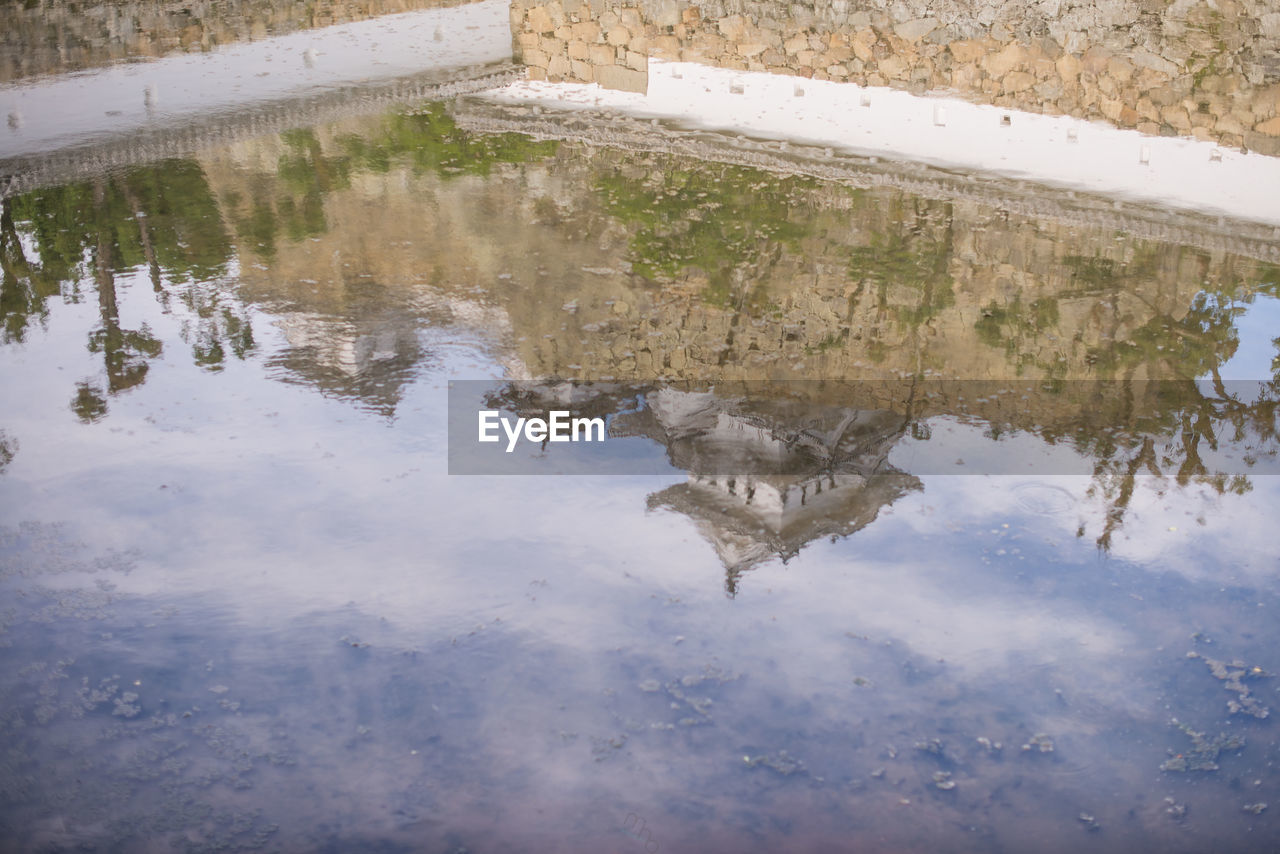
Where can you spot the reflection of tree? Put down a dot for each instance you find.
(908, 258)
(27, 284)
(1195, 413)
(728, 222)
(8, 450)
(430, 142)
(124, 351)
(162, 219)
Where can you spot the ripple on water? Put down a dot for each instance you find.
(1045, 499)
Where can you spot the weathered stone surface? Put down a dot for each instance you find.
(586, 31)
(916, 29)
(539, 20)
(1131, 75)
(1010, 57)
(622, 79)
(1262, 143)
(967, 51)
(1018, 81)
(601, 54)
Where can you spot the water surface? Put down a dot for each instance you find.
(246, 607)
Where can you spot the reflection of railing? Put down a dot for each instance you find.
(19, 175)
(610, 129)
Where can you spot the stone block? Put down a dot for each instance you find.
(967, 50)
(797, 43)
(618, 35)
(916, 29)
(622, 79)
(862, 45)
(559, 67)
(1068, 66)
(1017, 81)
(1011, 57)
(539, 20)
(1095, 60)
(667, 47)
(1177, 118)
(893, 67)
(1271, 127)
(1119, 69)
(587, 31)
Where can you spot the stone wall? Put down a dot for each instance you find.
(1166, 67)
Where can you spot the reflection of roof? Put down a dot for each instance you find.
(705, 433)
(746, 521)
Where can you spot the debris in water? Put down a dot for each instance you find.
(942, 779)
(1203, 755)
(1174, 809)
(1256, 809)
(1234, 674)
(1089, 822)
(1039, 742)
(781, 762)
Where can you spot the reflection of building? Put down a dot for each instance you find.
(750, 519)
(365, 359)
(768, 472)
(768, 475)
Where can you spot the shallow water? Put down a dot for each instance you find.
(247, 607)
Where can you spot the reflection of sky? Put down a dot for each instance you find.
(285, 500)
(1257, 329)
(276, 520)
